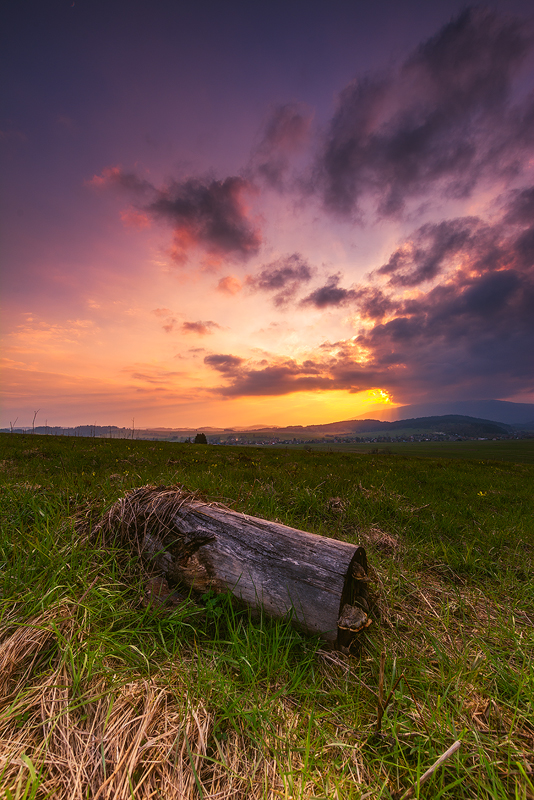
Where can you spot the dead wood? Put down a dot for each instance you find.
(320, 582)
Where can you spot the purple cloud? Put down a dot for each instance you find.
(428, 252)
(210, 214)
(440, 122)
(274, 379)
(206, 213)
(224, 363)
(283, 276)
(285, 134)
(331, 294)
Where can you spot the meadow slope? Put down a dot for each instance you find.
(105, 696)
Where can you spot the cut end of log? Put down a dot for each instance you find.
(354, 603)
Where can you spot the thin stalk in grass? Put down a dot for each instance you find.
(428, 774)
(380, 709)
(193, 768)
(383, 706)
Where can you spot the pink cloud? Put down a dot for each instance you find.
(229, 285)
(132, 218)
(108, 175)
(201, 328)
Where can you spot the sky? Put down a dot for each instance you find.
(264, 213)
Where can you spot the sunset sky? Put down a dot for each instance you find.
(238, 213)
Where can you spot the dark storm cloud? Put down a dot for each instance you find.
(206, 213)
(287, 376)
(471, 334)
(521, 208)
(331, 294)
(442, 121)
(473, 338)
(428, 252)
(279, 378)
(285, 134)
(372, 303)
(283, 276)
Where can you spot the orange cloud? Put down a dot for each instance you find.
(183, 241)
(229, 285)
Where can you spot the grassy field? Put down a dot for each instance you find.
(517, 451)
(103, 696)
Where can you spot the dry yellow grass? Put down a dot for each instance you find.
(141, 739)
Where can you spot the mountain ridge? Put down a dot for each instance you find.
(504, 411)
(447, 424)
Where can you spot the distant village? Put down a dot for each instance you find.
(260, 438)
(417, 437)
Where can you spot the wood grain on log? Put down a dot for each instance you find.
(321, 582)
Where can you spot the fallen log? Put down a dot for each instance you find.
(322, 583)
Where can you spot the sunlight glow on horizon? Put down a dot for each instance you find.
(381, 397)
(107, 403)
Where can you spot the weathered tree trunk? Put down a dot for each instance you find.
(320, 581)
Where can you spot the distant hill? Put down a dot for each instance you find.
(450, 424)
(458, 424)
(495, 410)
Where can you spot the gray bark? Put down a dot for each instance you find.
(320, 582)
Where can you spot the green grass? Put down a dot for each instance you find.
(517, 451)
(100, 693)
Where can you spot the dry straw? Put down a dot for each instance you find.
(142, 510)
(143, 738)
